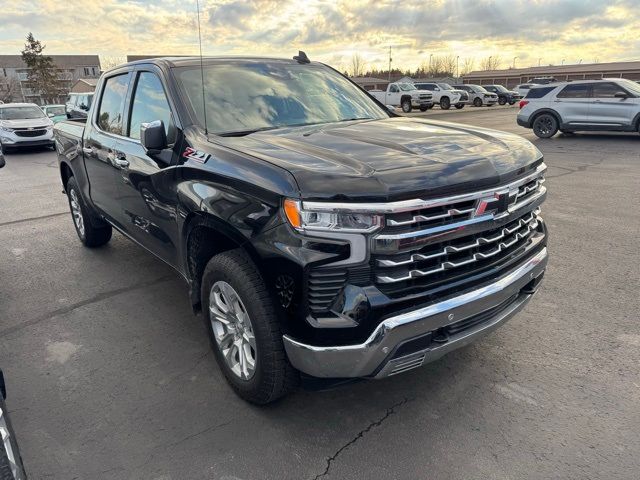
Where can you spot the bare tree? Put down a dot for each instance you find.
(467, 66)
(357, 65)
(10, 90)
(109, 62)
(490, 63)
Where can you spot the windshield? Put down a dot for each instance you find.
(500, 88)
(633, 87)
(445, 86)
(20, 113)
(479, 89)
(56, 110)
(244, 97)
(407, 87)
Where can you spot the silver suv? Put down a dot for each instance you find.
(609, 104)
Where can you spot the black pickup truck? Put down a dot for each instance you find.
(317, 231)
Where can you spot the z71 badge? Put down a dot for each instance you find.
(196, 155)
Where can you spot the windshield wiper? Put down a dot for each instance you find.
(242, 133)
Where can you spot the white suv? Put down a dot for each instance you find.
(24, 125)
(444, 95)
(609, 104)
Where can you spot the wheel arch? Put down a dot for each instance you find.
(206, 236)
(66, 172)
(405, 97)
(551, 111)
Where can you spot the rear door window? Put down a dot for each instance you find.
(111, 108)
(579, 90)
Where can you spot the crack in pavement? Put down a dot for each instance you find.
(88, 301)
(31, 219)
(572, 170)
(390, 411)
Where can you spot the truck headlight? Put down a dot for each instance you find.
(6, 129)
(329, 219)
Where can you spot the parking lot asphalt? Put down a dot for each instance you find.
(110, 375)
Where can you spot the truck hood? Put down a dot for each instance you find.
(390, 159)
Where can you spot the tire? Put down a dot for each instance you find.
(90, 235)
(424, 109)
(477, 102)
(445, 103)
(406, 106)
(512, 102)
(502, 101)
(545, 125)
(459, 106)
(271, 375)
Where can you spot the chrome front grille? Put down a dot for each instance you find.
(458, 253)
(432, 242)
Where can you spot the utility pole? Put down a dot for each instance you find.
(514, 61)
(389, 63)
(458, 67)
(539, 60)
(430, 56)
(562, 62)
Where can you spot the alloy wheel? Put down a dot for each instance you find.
(76, 212)
(232, 330)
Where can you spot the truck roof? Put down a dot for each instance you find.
(194, 61)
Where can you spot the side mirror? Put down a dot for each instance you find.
(437, 89)
(620, 95)
(153, 137)
(50, 115)
(391, 108)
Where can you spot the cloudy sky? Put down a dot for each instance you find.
(333, 30)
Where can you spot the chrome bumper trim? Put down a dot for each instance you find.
(365, 359)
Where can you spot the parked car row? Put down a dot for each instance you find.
(610, 104)
(425, 95)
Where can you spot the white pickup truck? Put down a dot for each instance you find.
(404, 95)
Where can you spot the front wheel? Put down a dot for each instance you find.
(90, 235)
(445, 103)
(545, 126)
(244, 330)
(406, 106)
(477, 102)
(459, 106)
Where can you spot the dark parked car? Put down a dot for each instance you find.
(504, 95)
(317, 231)
(11, 467)
(78, 105)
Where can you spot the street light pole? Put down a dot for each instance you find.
(430, 56)
(389, 63)
(539, 60)
(458, 67)
(514, 62)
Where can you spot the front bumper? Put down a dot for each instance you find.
(11, 139)
(410, 339)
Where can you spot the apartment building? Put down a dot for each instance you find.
(14, 85)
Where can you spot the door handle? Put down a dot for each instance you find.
(597, 101)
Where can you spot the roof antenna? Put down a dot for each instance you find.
(204, 103)
(301, 57)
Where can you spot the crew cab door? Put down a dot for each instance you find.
(607, 109)
(101, 147)
(146, 183)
